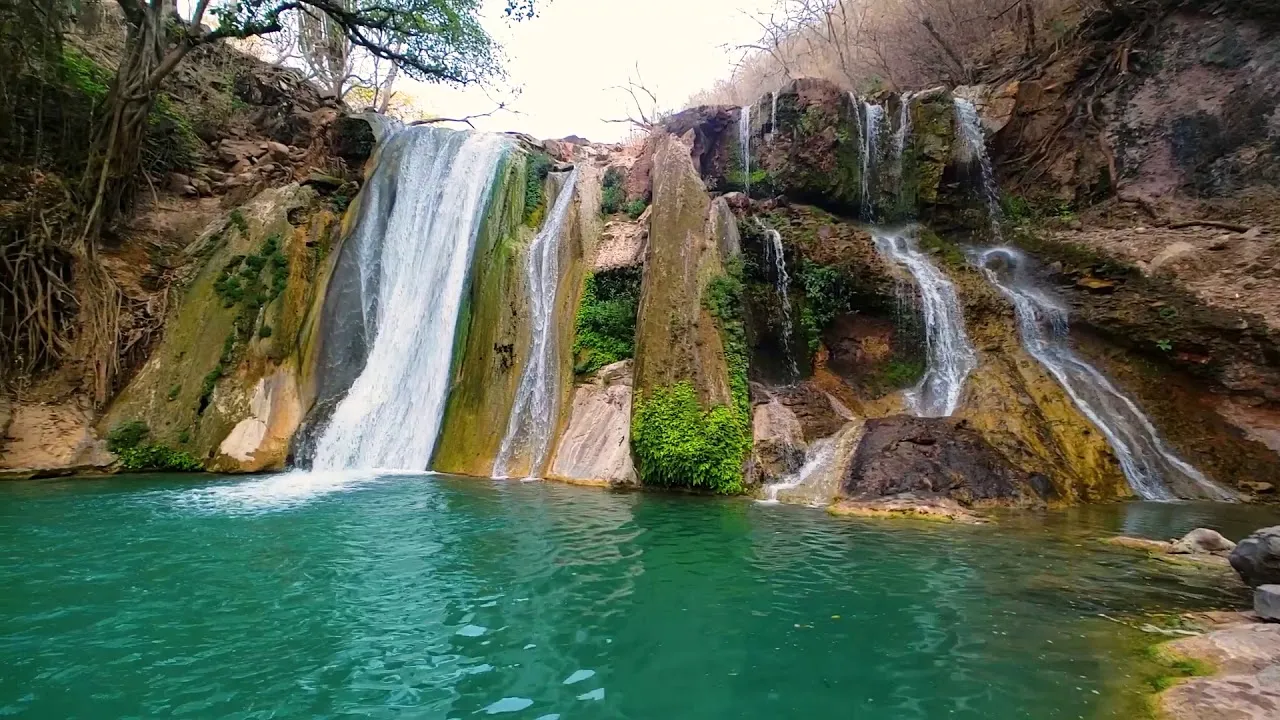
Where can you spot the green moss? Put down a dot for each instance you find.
(173, 392)
(636, 208)
(933, 244)
(237, 221)
(605, 328)
(612, 194)
(537, 167)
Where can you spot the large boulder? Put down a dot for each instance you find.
(1201, 541)
(1266, 601)
(934, 458)
(1257, 557)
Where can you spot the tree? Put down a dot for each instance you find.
(431, 40)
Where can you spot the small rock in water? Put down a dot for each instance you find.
(472, 631)
(1266, 602)
(597, 694)
(1202, 540)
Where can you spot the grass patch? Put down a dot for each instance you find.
(537, 167)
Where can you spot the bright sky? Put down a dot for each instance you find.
(567, 59)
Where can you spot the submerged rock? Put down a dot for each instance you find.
(1257, 557)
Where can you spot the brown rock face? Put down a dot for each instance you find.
(932, 457)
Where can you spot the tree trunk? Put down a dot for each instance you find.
(116, 151)
(385, 101)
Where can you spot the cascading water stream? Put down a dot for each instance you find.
(744, 146)
(533, 414)
(1148, 462)
(773, 252)
(951, 356)
(413, 251)
(873, 115)
(817, 458)
(773, 116)
(900, 138)
(975, 148)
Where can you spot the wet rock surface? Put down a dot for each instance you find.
(933, 457)
(1257, 557)
(1246, 656)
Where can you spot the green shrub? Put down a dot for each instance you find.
(605, 328)
(680, 444)
(612, 194)
(636, 208)
(264, 331)
(126, 441)
(174, 391)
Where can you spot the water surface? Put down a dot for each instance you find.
(425, 596)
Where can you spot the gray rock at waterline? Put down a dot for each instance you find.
(1266, 602)
(1257, 557)
(1200, 541)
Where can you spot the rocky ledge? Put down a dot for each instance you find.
(1244, 654)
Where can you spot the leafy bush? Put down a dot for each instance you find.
(636, 208)
(613, 195)
(126, 441)
(680, 444)
(605, 329)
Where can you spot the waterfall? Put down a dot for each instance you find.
(744, 146)
(773, 116)
(1147, 461)
(969, 125)
(951, 356)
(408, 260)
(773, 252)
(871, 123)
(533, 415)
(817, 458)
(900, 139)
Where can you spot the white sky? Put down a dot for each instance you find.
(567, 59)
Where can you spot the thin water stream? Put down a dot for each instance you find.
(1154, 471)
(534, 412)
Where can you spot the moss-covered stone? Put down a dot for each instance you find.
(199, 382)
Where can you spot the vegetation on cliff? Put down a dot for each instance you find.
(605, 328)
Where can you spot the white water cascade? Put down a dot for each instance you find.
(974, 146)
(773, 252)
(873, 115)
(413, 266)
(950, 355)
(533, 414)
(818, 456)
(744, 146)
(1148, 462)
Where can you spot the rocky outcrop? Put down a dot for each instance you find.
(690, 425)
(595, 446)
(934, 458)
(1245, 656)
(1257, 557)
(230, 354)
(39, 439)
(778, 447)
